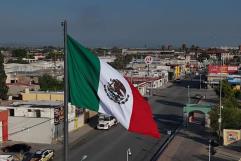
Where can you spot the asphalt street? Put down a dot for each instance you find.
(112, 145)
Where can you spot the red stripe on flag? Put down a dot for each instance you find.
(141, 118)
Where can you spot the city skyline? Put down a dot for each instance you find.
(122, 24)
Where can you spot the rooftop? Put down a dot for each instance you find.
(37, 104)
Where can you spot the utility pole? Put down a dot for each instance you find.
(128, 153)
(209, 150)
(200, 80)
(220, 101)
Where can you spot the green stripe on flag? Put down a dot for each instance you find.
(83, 76)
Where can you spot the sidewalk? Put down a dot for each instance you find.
(192, 144)
(75, 135)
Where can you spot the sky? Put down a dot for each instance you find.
(125, 23)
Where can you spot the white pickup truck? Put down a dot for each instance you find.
(105, 122)
(6, 157)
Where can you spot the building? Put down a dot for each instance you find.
(145, 84)
(217, 73)
(42, 111)
(27, 119)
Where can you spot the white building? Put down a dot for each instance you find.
(40, 121)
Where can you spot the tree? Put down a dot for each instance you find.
(169, 47)
(231, 112)
(194, 48)
(116, 50)
(163, 47)
(231, 118)
(3, 77)
(227, 91)
(121, 61)
(202, 57)
(19, 53)
(55, 55)
(48, 83)
(184, 47)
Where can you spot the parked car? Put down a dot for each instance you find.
(27, 156)
(17, 148)
(6, 157)
(197, 96)
(105, 122)
(178, 80)
(43, 155)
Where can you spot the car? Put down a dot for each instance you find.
(106, 122)
(6, 157)
(198, 96)
(178, 80)
(17, 148)
(43, 155)
(27, 156)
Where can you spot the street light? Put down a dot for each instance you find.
(188, 94)
(220, 101)
(128, 153)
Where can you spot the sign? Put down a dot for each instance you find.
(148, 59)
(232, 69)
(222, 69)
(58, 115)
(231, 136)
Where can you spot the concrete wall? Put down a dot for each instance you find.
(57, 97)
(32, 130)
(42, 96)
(79, 121)
(29, 97)
(1, 127)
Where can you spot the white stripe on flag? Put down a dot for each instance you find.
(107, 106)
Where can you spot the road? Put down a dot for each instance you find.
(112, 145)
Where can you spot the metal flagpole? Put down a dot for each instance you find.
(66, 136)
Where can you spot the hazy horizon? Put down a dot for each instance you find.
(122, 23)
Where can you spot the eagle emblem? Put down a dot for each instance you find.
(116, 91)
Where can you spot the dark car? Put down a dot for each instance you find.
(27, 156)
(17, 148)
(43, 155)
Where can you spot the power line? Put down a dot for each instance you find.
(27, 128)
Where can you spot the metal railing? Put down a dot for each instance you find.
(165, 144)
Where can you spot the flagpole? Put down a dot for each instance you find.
(66, 136)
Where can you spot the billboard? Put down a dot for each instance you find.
(230, 136)
(215, 69)
(232, 69)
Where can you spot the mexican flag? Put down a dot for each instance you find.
(95, 85)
